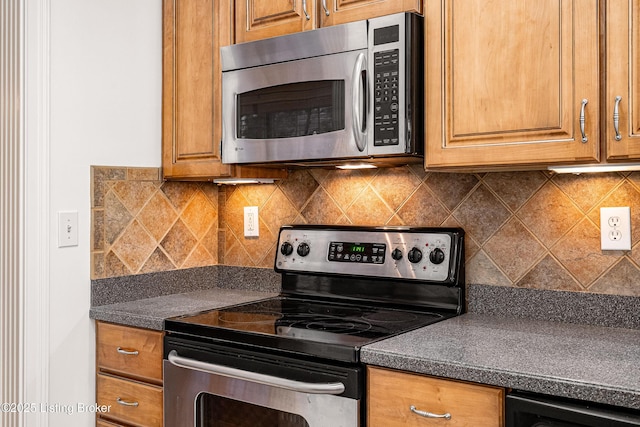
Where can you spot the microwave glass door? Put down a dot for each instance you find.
(314, 108)
(291, 110)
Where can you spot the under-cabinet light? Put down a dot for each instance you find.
(596, 168)
(236, 181)
(356, 166)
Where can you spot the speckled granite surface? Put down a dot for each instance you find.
(552, 342)
(593, 363)
(572, 307)
(151, 312)
(130, 288)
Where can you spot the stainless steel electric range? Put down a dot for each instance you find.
(294, 360)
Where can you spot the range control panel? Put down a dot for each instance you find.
(372, 253)
(427, 254)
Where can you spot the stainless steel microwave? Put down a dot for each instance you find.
(347, 93)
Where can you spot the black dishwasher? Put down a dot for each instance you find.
(532, 410)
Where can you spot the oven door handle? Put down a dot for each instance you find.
(226, 371)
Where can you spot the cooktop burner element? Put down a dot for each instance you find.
(342, 288)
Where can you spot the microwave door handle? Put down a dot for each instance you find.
(254, 377)
(359, 99)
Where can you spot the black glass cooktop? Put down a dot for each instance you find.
(317, 328)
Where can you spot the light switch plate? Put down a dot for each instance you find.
(67, 229)
(615, 229)
(251, 222)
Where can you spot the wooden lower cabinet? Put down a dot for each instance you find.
(102, 423)
(130, 402)
(129, 376)
(392, 394)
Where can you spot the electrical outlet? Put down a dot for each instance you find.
(251, 222)
(615, 229)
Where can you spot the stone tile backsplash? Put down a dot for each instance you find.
(524, 229)
(142, 225)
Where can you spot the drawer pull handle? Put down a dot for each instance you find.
(127, 352)
(426, 414)
(125, 403)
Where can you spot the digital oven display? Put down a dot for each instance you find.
(369, 253)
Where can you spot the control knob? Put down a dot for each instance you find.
(396, 254)
(303, 249)
(436, 256)
(414, 255)
(286, 249)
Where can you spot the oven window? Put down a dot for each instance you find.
(291, 110)
(216, 411)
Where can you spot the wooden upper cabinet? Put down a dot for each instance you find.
(334, 12)
(505, 82)
(193, 31)
(259, 19)
(622, 79)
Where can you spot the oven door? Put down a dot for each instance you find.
(307, 109)
(214, 386)
(527, 410)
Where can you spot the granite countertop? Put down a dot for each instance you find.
(592, 363)
(150, 313)
(566, 344)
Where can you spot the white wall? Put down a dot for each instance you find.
(105, 109)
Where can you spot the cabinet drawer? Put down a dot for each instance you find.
(103, 423)
(131, 352)
(392, 393)
(129, 401)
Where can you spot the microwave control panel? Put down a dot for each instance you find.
(386, 90)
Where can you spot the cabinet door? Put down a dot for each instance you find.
(333, 12)
(260, 19)
(505, 81)
(623, 79)
(393, 394)
(193, 31)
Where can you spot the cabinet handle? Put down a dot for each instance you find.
(304, 9)
(125, 403)
(426, 414)
(616, 118)
(127, 352)
(582, 120)
(324, 6)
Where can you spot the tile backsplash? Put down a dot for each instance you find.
(524, 229)
(141, 224)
